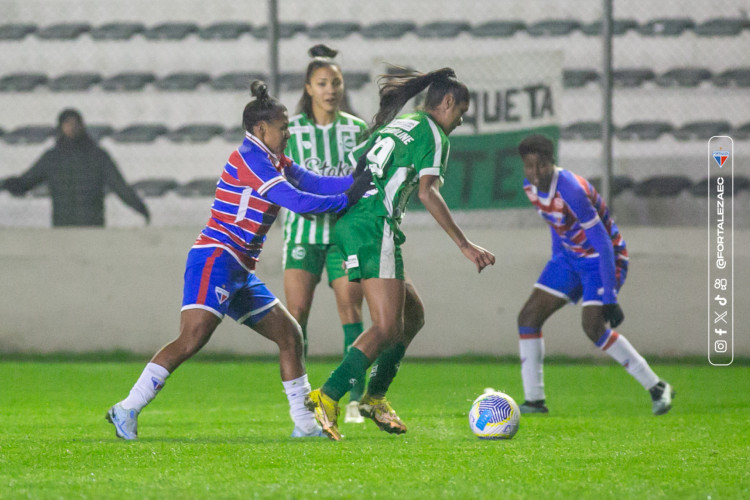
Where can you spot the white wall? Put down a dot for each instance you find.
(88, 290)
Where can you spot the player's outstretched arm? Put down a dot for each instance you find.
(429, 195)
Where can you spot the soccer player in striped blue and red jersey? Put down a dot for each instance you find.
(220, 271)
(589, 261)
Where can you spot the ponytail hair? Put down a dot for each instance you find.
(264, 108)
(322, 56)
(397, 88)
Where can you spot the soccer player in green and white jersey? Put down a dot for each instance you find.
(322, 136)
(406, 154)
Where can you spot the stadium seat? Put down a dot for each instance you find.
(442, 29)
(154, 188)
(63, 31)
(74, 82)
(631, 77)
(236, 81)
(286, 30)
(389, 30)
(666, 27)
(333, 30)
(574, 78)
(356, 79)
(643, 131)
(225, 31)
(170, 31)
(701, 130)
(700, 188)
(140, 133)
(721, 26)
(683, 77)
(735, 77)
(128, 81)
(497, 29)
(117, 31)
(196, 132)
(619, 27)
(198, 187)
(741, 133)
(234, 134)
(586, 131)
(182, 81)
(22, 82)
(31, 134)
(662, 185)
(292, 81)
(99, 132)
(553, 27)
(618, 184)
(16, 31)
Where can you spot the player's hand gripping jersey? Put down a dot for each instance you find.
(399, 154)
(580, 224)
(324, 150)
(254, 185)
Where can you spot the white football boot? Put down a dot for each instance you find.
(661, 397)
(352, 415)
(124, 420)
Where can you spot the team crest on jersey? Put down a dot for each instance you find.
(307, 144)
(721, 157)
(348, 143)
(298, 253)
(221, 294)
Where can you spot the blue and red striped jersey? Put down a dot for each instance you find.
(572, 206)
(253, 187)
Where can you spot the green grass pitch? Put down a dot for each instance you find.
(221, 430)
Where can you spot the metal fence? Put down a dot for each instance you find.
(144, 74)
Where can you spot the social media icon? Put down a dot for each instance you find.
(720, 346)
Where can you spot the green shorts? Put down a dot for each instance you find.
(370, 247)
(312, 258)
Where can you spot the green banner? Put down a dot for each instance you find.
(485, 171)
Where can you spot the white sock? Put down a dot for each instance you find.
(532, 367)
(618, 347)
(144, 391)
(296, 391)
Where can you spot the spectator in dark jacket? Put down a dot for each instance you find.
(77, 172)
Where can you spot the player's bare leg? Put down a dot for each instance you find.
(537, 309)
(280, 327)
(299, 289)
(196, 328)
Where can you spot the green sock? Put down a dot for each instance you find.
(351, 332)
(384, 369)
(353, 366)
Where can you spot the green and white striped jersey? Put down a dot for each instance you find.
(323, 149)
(402, 151)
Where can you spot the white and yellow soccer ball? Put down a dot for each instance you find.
(494, 415)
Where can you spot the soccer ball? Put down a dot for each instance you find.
(494, 415)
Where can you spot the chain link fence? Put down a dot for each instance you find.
(162, 87)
